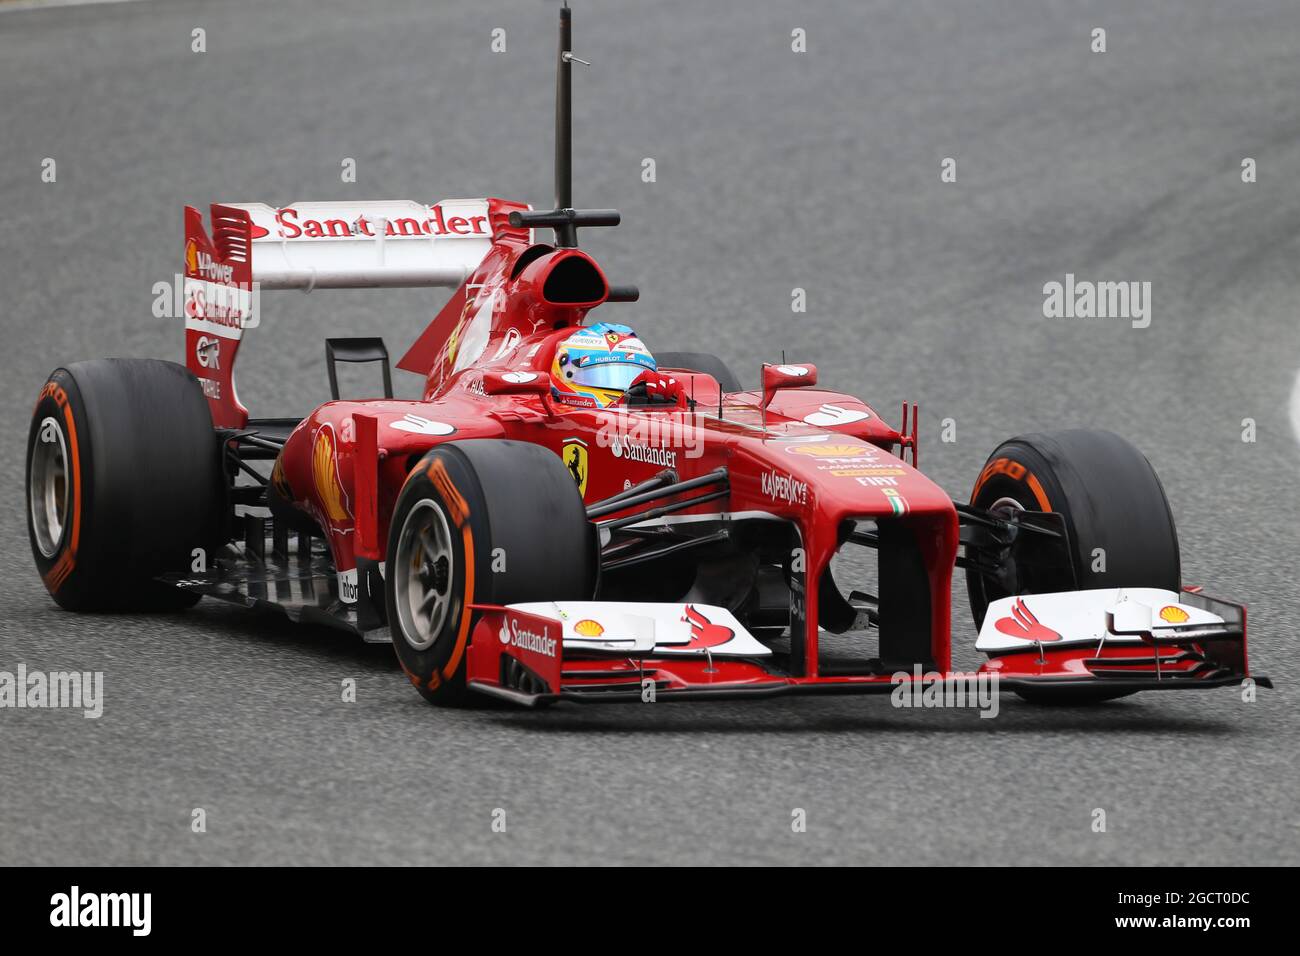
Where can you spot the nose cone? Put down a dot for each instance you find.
(852, 478)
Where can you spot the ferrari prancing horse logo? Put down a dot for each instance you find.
(574, 455)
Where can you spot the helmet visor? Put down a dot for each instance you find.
(613, 375)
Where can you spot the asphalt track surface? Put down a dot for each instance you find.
(775, 170)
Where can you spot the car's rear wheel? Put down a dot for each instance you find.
(1120, 527)
(124, 482)
(479, 522)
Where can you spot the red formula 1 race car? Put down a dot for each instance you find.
(564, 515)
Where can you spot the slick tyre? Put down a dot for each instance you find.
(479, 522)
(124, 481)
(1120, 527)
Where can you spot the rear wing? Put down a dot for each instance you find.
(316, 245)
(362, 245)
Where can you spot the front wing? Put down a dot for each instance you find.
(1074, 643)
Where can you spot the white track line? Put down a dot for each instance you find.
(1295, 408)
(11, 7)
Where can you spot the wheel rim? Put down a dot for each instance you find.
(1028, 581)
(1006, 505)
(990, 590)
(47, 486)
(424, 567)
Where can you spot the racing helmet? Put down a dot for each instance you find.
(594, 366)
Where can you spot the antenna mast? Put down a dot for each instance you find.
(567, 234)
(564, 219)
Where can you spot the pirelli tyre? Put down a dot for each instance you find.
(701, 362)
(479, 522)
(1120, 527)
(124, 482)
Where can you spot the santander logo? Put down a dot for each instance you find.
(517, 634)
(352, 224)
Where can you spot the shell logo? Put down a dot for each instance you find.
(279, 482)
(191, 258)
(1173, 615)
(453, 340)
(830, 451)
(325, 475)
(588, 628)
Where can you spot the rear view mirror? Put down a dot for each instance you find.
(776, 377)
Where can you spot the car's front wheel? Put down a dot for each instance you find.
(1120, 527)
(479, 522)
